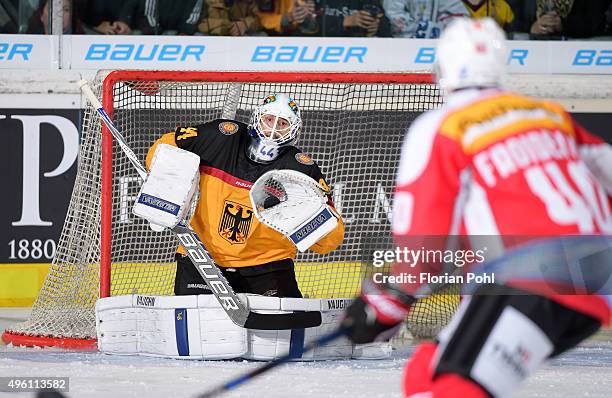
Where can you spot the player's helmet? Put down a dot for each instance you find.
(471, 53)
(275, 125)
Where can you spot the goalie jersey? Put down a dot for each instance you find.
(224, 219)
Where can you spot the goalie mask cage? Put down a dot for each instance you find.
(353, 126)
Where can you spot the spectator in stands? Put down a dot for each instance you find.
(107, 17)
(367, 18)
(548, 18)
(288, 17)
(156, 17)
(423, 19)
(325, 18)
(230, 18)
(499, 10)
(555, 19)
(347, 18)
(39, 22)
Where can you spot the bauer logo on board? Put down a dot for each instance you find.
(310, 54)
(144, 52)
(15, 51)
(516, 56)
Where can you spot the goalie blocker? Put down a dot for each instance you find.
(165, 196)
(196, 327)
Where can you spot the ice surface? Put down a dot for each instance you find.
(584, 372)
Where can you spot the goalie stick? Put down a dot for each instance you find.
(200, 258)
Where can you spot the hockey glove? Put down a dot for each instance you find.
(295, 205)
(377, 313)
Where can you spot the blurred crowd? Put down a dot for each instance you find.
(521, 19)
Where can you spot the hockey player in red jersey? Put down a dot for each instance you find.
(496, 164)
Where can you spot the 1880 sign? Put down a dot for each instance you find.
(39, 150)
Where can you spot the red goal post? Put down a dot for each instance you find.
(353, 126)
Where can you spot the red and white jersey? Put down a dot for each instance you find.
(495, 163)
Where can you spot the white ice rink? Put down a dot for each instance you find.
(584, 372)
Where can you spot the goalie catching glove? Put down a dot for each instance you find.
(377, 313)
(295, 205)
(165, 196)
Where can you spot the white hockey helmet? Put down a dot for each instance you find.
(275, 124)
(471, 53)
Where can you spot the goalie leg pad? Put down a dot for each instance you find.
(271, 344)
(165, 196)
(186, 327)
(419, 382)
(268, 345)
(197, 327)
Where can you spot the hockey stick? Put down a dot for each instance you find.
(200, 258)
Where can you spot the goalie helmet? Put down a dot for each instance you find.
(471, 53)
(275, 125)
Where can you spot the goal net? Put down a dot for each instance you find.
(353, 126)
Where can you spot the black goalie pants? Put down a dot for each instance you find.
(275, 279)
